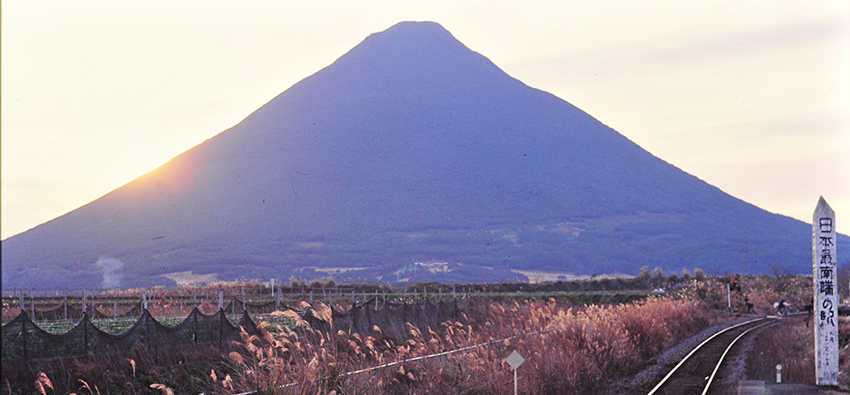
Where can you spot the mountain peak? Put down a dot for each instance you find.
(409, 147)
(412, 55)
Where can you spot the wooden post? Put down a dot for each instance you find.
(115, 305)
(825, 301)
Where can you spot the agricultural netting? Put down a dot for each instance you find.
(71, 311)
(390, 317)
(237, 306)
(23, 340)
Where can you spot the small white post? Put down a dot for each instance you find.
(778, 374)
(729, 297)
(514, 360)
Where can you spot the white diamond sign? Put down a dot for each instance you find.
(515, 360)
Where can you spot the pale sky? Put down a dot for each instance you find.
(751, 96)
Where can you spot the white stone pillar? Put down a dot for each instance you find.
(825, 295)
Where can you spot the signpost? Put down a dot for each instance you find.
(515, 360)
(825, 294)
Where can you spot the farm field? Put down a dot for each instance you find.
(576, 337)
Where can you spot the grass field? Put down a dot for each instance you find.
(575, 342)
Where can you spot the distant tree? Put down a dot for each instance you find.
(686, 274)
(658, 277)
(673, 279)
(699, 274)
(644, 277)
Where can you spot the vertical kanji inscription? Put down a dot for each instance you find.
(825, 295)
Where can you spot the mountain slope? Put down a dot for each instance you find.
(409, 147)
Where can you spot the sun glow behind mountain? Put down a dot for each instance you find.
(410, 147)
(698, 84)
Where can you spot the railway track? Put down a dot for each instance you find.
(697, 372)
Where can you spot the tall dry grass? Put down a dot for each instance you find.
(568, 350)
(790, 345)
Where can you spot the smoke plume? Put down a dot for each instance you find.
(111, 269)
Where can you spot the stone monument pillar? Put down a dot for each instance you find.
(825, 294)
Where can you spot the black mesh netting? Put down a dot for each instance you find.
(390, 317)
(237, 306)
(75, 312)
(23, 340)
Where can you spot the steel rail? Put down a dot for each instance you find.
(722, 357)
(706, 341)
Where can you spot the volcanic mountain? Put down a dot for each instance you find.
(408, 148)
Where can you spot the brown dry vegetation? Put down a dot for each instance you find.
(568, 349)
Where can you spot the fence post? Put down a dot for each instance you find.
(311, 296)
(145, 316)
(220, 316)
(84, 303)
(23, 331)
(65, 304)
(85, 333)
(194, 314)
